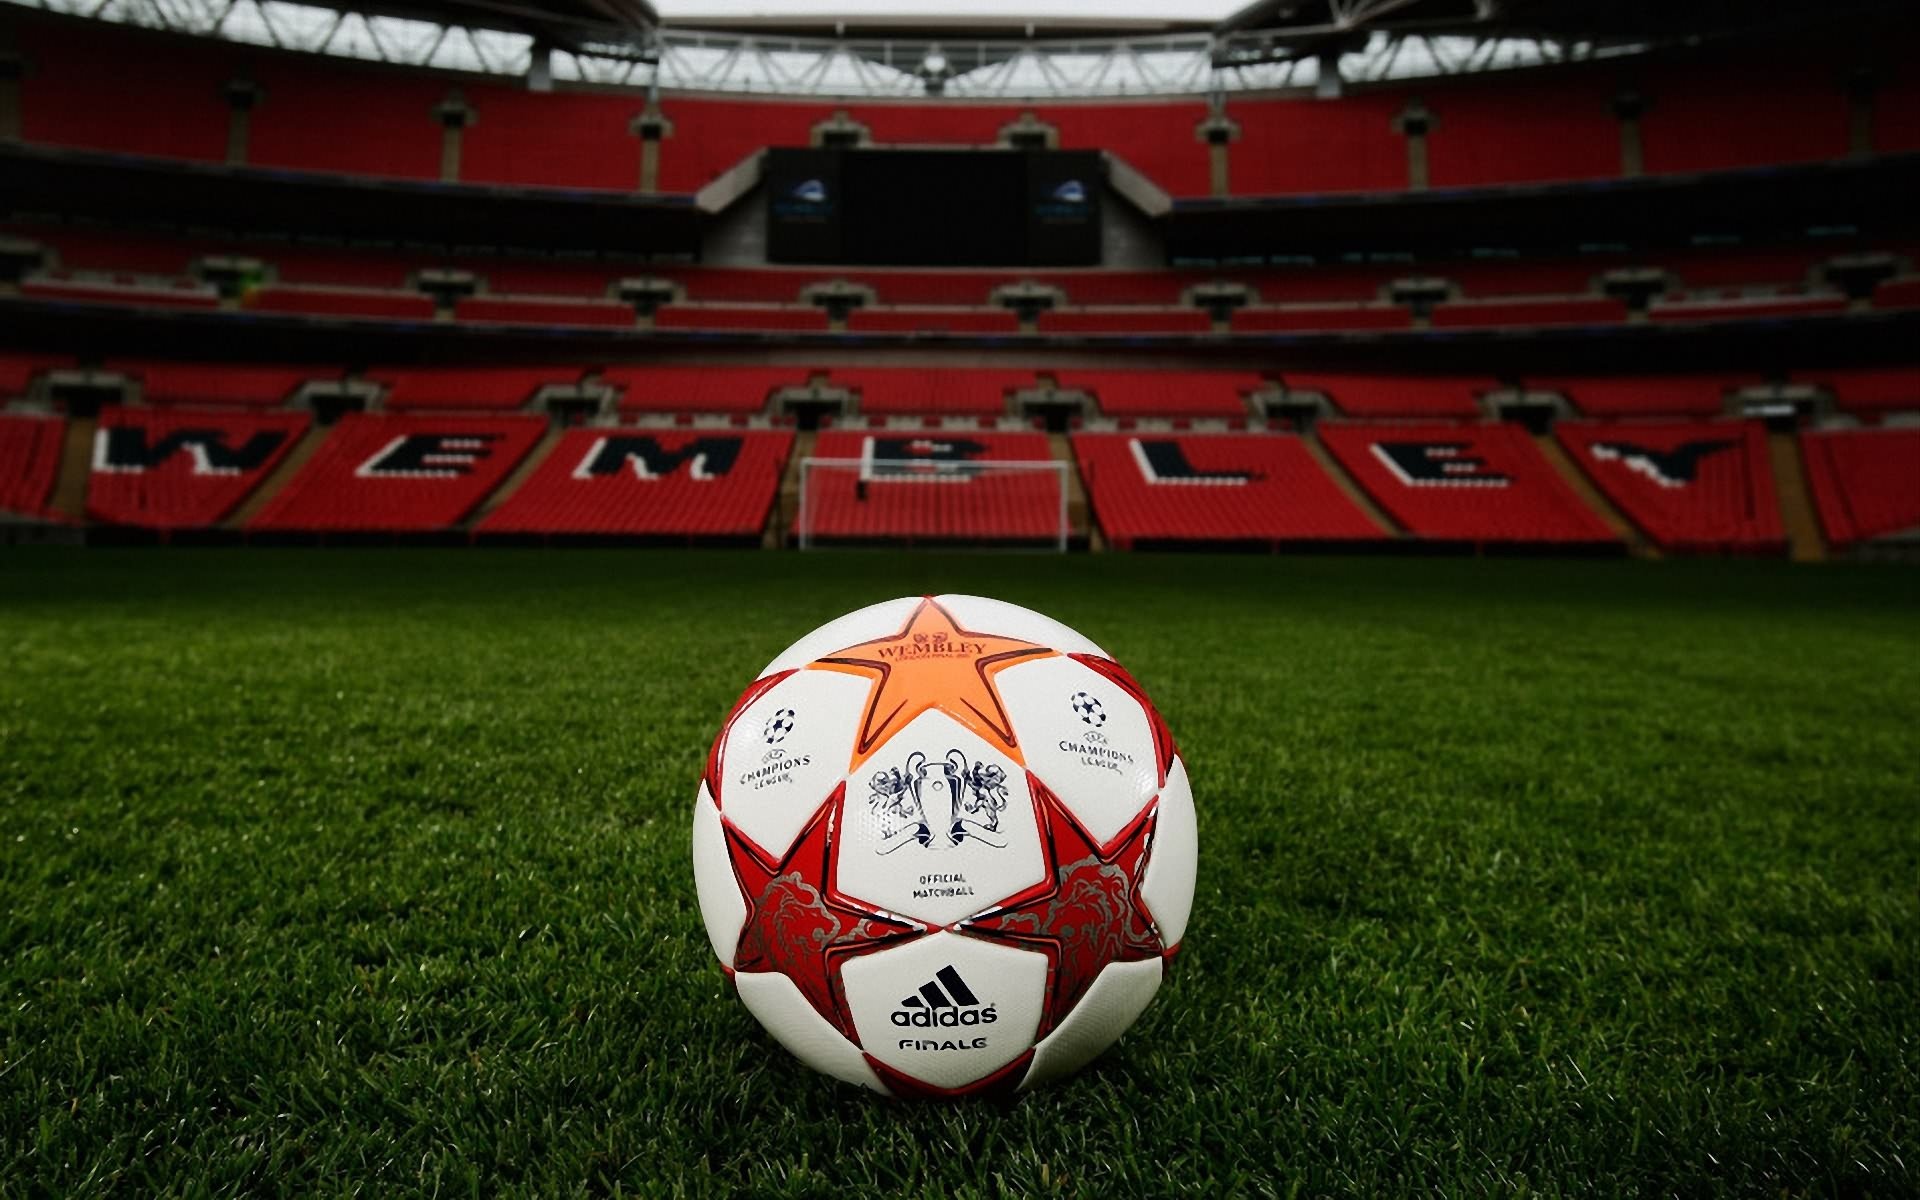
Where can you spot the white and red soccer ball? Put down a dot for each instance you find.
(944, 845)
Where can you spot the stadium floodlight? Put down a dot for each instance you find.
(845, 500)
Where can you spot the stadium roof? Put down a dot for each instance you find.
(986, 49)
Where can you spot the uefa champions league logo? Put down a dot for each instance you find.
(1088, 709)
(939, 804)
(778, 726)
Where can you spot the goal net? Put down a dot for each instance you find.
(982, 502)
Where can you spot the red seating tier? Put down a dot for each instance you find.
(1166, 393)
(962, 391)
(400, 473)
(1126, 320)
(1476, 483)
(1213, 488)
(180, 469)
(1395, 396)
(351, 118)
(1746, 309)
(640, 481)
(482, 388)
(1308, 318)
(342, 302)
(145, 292)
(1344, 145)
(701, 389)
(936, 497)
(30, 448)
(1712, 116)
(1898, 293)
(217, 383)
(1645, 395)
(932, 320)
(1866, 482)
(1870, 390)
(551, 139)
(1696, 486)
(1579, 310)
(750, 317)
(103, 88)
(1527, 129)
(17, 371)
(535, 310)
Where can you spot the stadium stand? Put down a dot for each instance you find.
(1152, 490)
(218, 384)
(1692, 487)
(1537, 130)
(1747, 308)
(1311, 318)
(1714, 116)
(943, 500)
(30, 447)
(552, 139)
(1576, 310)
(1165, 393)
(1125, 320)
(543, 310)
(344, 118)
(1394, 396)
(932, 320)
(107, 89)
(1865, 482)
(398, 474)
(18, 371)
(700, 389)
(1471, 483)
(885, 391)
(317, 301)
(762, 317)
(1646, 395)
(488, 389)
(1870, 391)
(705, 484)
(144, 292)
(181, 469)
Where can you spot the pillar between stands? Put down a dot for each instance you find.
(1029, 132)
(454, 115)
(13, 68)
(241, 95)
(1219, 132)
(1414, 123)
(1629, 107)
(840, 131)
(1862, 88)
(651, 126)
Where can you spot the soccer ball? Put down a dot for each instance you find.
(944, 846)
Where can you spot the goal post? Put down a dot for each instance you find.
(998, 502)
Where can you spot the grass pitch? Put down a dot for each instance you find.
(329, 873)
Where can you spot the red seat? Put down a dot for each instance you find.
(1870, 390)
(700, 389)
(1699, 486)
(770, 317)
(1395, 396)
(932, 320)
(136, 291)
(17, 371)
(1126, 320)
(342, 302)
(535, 310)
(30, 450)
(1329, 317)
(960, 391)
(920, 487)
(1167, 488)
(181, 469)
(1473, 483)
(1646, 395)
(719, 483)
(1683, 309)
(1166, 393)
(379, 473)
(473, 388)
(1866, 482)
(1574, 310)
(239, 384)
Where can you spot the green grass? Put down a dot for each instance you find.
(330, 873)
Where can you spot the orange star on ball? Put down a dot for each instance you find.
(932, 663)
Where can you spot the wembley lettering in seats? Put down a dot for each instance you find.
(1668, 468)
(704, 458)
(1437, 464)
(428, 456)
(1161, 460)
(128, 449)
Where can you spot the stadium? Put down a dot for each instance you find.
(1489, 429)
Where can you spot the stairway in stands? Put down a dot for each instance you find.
(1804, 542)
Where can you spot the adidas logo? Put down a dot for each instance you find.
(943, 1002)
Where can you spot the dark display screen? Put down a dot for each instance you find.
(934, 208)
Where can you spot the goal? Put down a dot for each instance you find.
(925, 501)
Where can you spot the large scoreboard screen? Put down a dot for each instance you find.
(934, 208)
